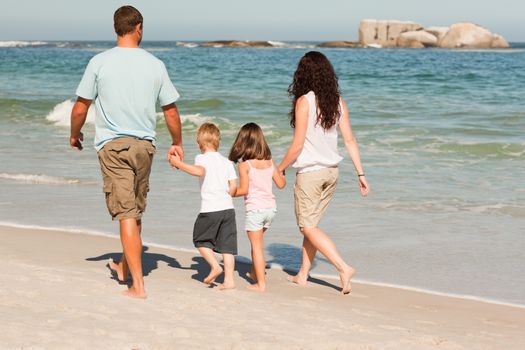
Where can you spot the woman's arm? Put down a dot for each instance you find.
(243, 179)
(278, 177)
(353, 149)
(301, 123)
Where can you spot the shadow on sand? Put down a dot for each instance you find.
(284, 255)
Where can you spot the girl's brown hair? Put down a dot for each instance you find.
(316, 73)
(250, 144)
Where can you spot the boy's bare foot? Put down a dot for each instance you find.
(298, 279)
(346, 275)
(256, 288)
(214, 273)
(133, 293)
(225, 286)
(117, 269)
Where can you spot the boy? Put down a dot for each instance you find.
(215, 229)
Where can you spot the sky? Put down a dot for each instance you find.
(247, 19)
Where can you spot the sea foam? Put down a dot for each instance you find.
(15, 43)
(39, 179)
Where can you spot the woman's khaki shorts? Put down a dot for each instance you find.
(313, 191)
(126, 164)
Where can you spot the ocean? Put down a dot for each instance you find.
(441, 134)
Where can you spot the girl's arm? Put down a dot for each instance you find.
(301, 123)
(278, 177)
(243, 179)
(353, 149)
(195, 170)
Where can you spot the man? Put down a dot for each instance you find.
(126, 82)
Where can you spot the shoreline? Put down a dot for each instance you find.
(277, 267)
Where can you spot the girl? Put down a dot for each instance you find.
(317, 111)
(256, 172)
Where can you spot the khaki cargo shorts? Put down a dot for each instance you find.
(313, 191)
(126, 164)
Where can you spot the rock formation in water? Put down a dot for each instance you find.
(380, 33)
(236, 43)
(346, 44)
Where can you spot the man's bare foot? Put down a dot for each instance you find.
(256, 288)
(298, 279)
(118, 270)
(133, 293)
(225, 286)
(346, 275)
(214, 273)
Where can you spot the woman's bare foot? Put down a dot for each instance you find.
(214, 273)
(298, 279)
(346, 275)
(226, 285)
(118, 270)
(256, 288)
(133, 293)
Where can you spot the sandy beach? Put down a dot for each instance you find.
(57, 293)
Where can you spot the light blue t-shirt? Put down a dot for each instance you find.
(126, 83)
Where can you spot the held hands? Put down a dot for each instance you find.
(175, 160)
(363, 186)
(176, 150)
(76, 141)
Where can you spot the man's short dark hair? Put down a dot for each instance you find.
(126, 19)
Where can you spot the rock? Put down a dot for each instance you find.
(384, 33)
(438, 32)
(348, 44)
(236, 43)
(499, 42)
(417, 39)
(470, 35)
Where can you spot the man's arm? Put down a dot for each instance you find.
(78, 118)
(171, 114)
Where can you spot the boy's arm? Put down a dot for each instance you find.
(243, 179)
(233, 187)
(278, 177)
(195, 170)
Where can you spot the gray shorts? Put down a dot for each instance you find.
(216, 230)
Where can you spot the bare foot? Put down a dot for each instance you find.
(251, 275)
(346, 275)
(298, 279)
(133, 293)
(117, 269)
(225, 286)
(214, 273)
(256, 288)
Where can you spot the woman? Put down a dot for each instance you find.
(316, 113)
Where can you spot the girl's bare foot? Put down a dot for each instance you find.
(346, 275)
(256, 288)
(133, 293)
(225, 286)
(251, 275)
(118, 270)
(298, 279)
(214, 273)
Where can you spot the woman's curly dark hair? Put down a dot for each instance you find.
(316, 73)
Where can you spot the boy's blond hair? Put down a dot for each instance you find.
(208, 135)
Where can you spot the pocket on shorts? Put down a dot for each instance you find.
(108, 191)
(119, 148)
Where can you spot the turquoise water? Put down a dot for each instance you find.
(441, 135)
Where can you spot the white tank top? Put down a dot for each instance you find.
(320, 145)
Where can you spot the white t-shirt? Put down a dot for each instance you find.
(215, 189)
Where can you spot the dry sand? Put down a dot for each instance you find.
(57, 293)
